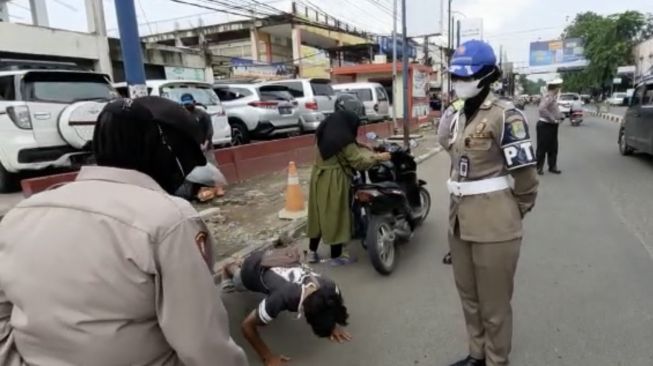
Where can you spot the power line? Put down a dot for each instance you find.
(140, 5)
(355, 23)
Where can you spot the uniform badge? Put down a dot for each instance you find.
(480, 127)
(201, 242)
(518, 130)
(463, 167)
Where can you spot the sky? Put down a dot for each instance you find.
(508, 24)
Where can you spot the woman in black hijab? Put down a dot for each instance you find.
(329, 213)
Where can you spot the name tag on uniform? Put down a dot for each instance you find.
(463, 167)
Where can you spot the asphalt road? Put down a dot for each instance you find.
(584, 287)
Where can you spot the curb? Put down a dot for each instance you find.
(292, 231)
(607, 116)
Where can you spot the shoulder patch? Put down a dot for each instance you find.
(516, 141)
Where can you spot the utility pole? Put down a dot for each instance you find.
(458, 33)
(449, 49)
(394, 64)
(130, 44)
(404, 73)
(426, 50)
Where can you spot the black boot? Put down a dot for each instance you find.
(555, 170)
(469, 361)
(540, 171)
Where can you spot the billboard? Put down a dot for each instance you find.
(471, 28)
(386, 43)
(183, 73)
(550, 56)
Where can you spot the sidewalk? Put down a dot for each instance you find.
(247, 217)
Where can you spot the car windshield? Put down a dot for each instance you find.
(64, 87)
(202, 94)
(363, 94)
(322, 88)
(274, 92)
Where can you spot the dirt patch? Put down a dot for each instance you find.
(248, 214)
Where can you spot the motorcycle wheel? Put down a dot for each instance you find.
(425, 205)
(380, 240)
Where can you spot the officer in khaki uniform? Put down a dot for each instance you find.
(493, 184)
(108, 270)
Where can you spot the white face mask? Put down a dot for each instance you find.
(469, 89)
(466, 89)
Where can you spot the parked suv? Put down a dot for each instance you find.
(47, 117)
(373, 97)
(636, 131)
(256, 110)
(315, 97)
(203, 94)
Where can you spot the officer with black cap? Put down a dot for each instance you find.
(493, 184)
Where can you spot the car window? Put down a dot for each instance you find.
(202, 94)
(363, 94)
(228, 93)
(275, 95)
(64, 87)
(7, 91)
(294, 87)
(321, 88)
(567, 97)
(648, 96)
(638, 96)
(381, 95)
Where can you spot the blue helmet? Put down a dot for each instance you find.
(471, 57)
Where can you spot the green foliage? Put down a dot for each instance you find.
(609, 41)
(531, 87)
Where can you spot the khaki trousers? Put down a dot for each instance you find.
(484, 274)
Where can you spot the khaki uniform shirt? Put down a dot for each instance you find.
(105, 271)
(494, 143)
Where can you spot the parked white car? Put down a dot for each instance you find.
(315, 97)
(256, 110)
(203, 94)
(617, 98)
(372, 95)
(47, 118)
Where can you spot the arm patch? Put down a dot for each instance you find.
(516, 143)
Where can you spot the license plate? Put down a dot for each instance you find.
(285, 110)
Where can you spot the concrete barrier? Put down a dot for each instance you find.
(243, 162)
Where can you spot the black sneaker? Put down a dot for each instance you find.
(469, 361)
(555, 171)
(540, 172)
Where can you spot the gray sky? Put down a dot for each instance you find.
(508, 23)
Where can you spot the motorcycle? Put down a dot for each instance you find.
(391, 206)
(576, 117)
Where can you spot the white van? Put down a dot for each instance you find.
(203, 94)
(372, 95)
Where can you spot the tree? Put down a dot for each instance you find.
(609, 41)
(531, 87)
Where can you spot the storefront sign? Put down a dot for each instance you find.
(420, 83)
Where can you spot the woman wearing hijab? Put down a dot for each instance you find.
(110, 269)
(329, 205)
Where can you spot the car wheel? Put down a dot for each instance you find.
(624, 149)
(7, 181)
(239, 133)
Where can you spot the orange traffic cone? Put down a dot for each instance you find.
(295, 205)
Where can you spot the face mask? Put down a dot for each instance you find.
(466, 89)
(469, 89)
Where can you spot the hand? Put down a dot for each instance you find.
(276, 360)
(384, 156)
(340, 335)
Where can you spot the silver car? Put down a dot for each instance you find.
(258, 111)
(315, 97)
